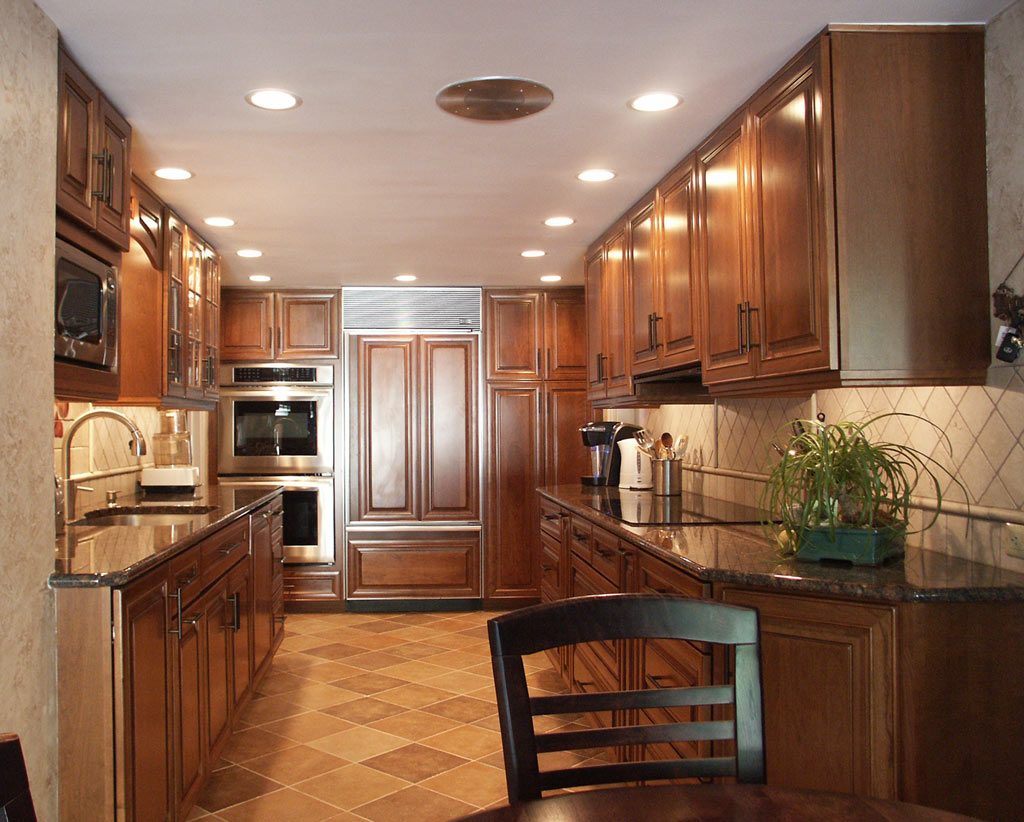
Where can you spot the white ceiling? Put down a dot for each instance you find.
(368, 178)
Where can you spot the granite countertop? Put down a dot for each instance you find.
(743, 555)
(113, 555)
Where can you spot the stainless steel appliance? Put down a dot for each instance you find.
(308, 514)
(276, 419)
(602, 438)
(85, 309)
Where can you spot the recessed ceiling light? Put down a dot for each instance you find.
(551, 278)
(219, 222)
(595, 175)
(654, 101)
(406, 278)
(559, 222)
(249, 252)
(272, 99)
(260, 278)
(173, 173)
(532, 252)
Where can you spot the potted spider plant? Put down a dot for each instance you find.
(838, 494)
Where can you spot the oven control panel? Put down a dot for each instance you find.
(277, 374)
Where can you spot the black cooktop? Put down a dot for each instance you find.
(644, 508)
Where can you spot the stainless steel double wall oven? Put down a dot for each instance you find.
(277, 428)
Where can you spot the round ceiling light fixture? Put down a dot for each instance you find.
(273, 99)
(596, 175)
(171, 173)
(406, 278)
(531, 252)
(655, 101)
(259, 278)
(251, 253)
(551, 278)
(219, 222)
(559, 222)
(494, 98)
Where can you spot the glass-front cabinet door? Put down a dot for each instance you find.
(211, 311)
(194, 248)
(174, 316)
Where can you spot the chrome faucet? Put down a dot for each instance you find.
(137, 445)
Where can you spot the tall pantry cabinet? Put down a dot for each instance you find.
(535, 344)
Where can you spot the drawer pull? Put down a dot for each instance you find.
(604, 552)
(193, 619)
(547, 567)
(225, 551)
(184, 580)
(550, 517)
(666, 591)
(657, 679)
(580, 536)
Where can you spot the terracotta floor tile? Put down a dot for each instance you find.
(475, 783)
(294, 764)
(338, 634)
(466, 740)
(415, 762)
(329, 671)
(489, 722)
(457, 660)
(547, 680)
(335, 651)
(279, 682)
(230, 786)
(374, 660)
(414, 803)
(294, 662)
(417, 650)
(416, 670)
(306, 727)
(365, 710)
(377, 626)
(415, 725)
(285, 804)
(453, 641)
(424, 618)
(253, 742)
(461, 708)
(459, 682)
(415, 633)
(351, 786)
(416, 695)
(317, 695)
(269, 709)
(486, 694)
(495, 760)
(358, 743)
(299, 642)
(370, 683)
(305, 627)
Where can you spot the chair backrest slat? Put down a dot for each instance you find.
(624, 617)
(656, 698)
(15, 797)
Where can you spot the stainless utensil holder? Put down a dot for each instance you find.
(668, 477)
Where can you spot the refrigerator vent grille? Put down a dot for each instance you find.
(455, 309)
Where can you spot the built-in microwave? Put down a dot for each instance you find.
(85, 309)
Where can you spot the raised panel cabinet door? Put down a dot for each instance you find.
(113, 207)
(386, 448)
(616, 320)
(246, 325)
(677, 321)
(147, 680)
(791, 196)
(219, 650)
(565, 334)
(566, 408)
(174, 304)
(307, 326)
(514, 471)
(190, 714)
(240, 624)
(450, 481)
(263, 571)
(413, 566)
(78, 172)
(640, 289)
(592, 277)
(726, 352)
(514, 334)
(829, 693)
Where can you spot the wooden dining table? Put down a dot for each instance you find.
(710, 803)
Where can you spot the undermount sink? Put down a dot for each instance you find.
(136, 519)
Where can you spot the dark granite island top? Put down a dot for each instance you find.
(715, 548)
(113, 555)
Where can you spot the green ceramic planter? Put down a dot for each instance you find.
(860, 546)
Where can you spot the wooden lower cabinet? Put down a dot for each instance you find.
(153, 675)
(414, 564)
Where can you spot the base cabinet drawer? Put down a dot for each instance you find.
(414, 566)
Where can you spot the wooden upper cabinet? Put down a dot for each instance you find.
(174, 301)
(515, 335)
(211, 321)
(93, 155)
(641, 273)
(281, 325)
(592, 276)
(450, 476)
(565, 337)
(616, 321)
(247, 324)
(677, 323)
(790, 197)
(307, 325)
(724, 256)
(195, 250)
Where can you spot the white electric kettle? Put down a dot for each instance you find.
(634, 466)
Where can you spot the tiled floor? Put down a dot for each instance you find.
(371, 717)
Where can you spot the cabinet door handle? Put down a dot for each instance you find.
(657, 320)
(650, 332)
(236, 608)
(749, 312)
(548, 374)
(280, 340)
(600, 368)
(538, 362)
(109, 177)
(270, 341)
(739, 327)
(177, 631)
(101, 192)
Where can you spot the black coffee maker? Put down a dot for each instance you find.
(602, 438)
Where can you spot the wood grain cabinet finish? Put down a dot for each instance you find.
(593, 270)
(565, 334)
(189, 688)
(93, 156)
(608, 325)
(566, 408)
(278, 325)
(514, 330)
(641, 277)
(414, 566)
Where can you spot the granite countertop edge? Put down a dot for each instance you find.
(123, 576)
(835, 585)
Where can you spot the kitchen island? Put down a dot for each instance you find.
(897, 682)
(168, 615)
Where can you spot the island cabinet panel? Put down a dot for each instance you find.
(240, 625)
(219, 663)
(190, 736)
(827, 669)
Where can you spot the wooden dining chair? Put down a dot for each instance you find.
(15, 798)
(623, 617)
